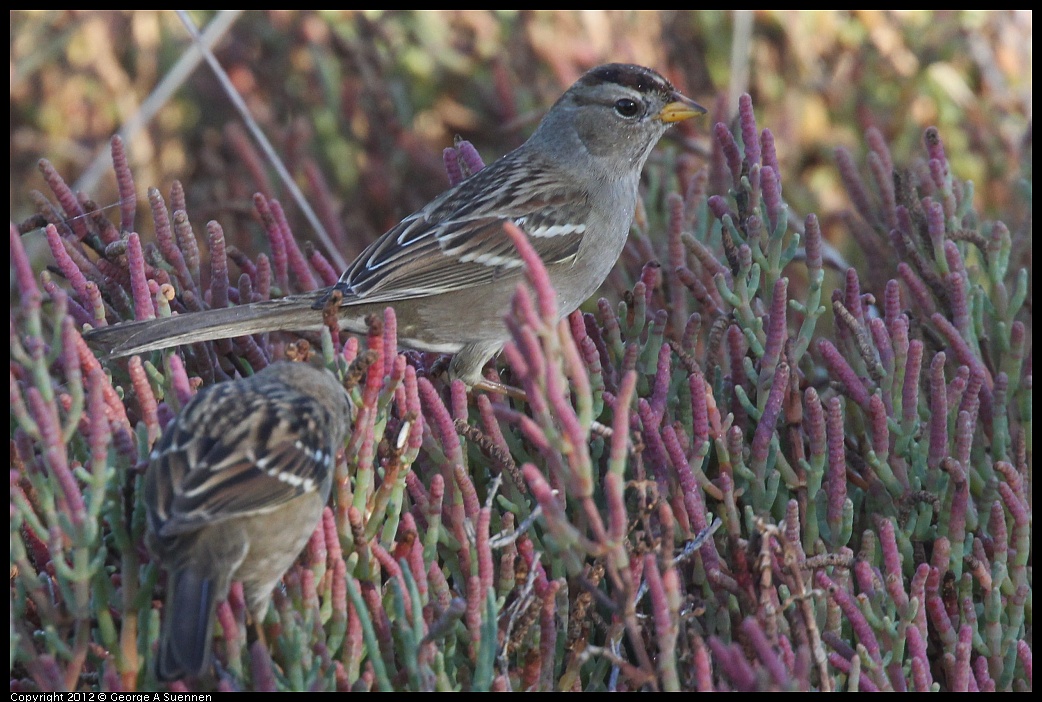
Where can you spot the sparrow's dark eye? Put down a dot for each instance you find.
(626, 107)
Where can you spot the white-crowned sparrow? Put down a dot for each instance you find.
(449, 270)
(233, 491)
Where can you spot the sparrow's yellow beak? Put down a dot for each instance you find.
(680, 109)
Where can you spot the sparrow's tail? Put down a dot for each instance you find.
(292, 313)
(187, 629)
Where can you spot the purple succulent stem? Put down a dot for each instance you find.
(935, 230)
(1024, 654)
(453, 169)
(768, 422)
(892, 304)
(959, 306)
(415, 557)
(917, 589)
(74, 214)
(910, 390)
(750, 138)
(428, 504)
(654, 451)
(729, 147)
(28, 291)
(960, 671)
(934, 147)
(146, 399)
(777, 328)
(371, 594)
(858, 623)
(814, 421)
(699, 410)
(1021, 514)
(440, 422)
(733, 664)
(486, 569)
(188, 246)
(765, 652)
(953, 257)
(794, 527)
(651, 276)
(936, 611)
(66, 265)
(560, 389)
(262, 674)
(489, 425)
(917, 288)
(938, 412)
(124, 184)
(836, 481)
(885, 349)
(660, 388)
(143, 308)
(699, 290)
(852, 295)
(308, 589)
(177, 197)
(469, 156)
(985, 683)
(471, 504)
(245, 290)
(998, 533)
(676, 257)
(922, 680)
(894, 580)
(165, 240)
(965, 355)
(458, 400)
(694, 502)
(841, 371)
(99, 434)
(877, 415)
(965, 426)
(526, 550)
(867, 579)
(262, 278)
(295, 258)
(769, 156)
(702, 666)
(719, 207)
(45, 414)
(770, 185)
(248, 267)
(279, 255)
(96, 305)
(664, 598)
(327, 274)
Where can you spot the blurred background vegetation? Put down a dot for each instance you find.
(361, 104)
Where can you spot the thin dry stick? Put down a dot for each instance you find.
(160, 95)
(262, 141)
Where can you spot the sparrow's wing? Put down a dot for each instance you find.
(457, 241)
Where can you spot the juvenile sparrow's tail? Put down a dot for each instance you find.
(187, 629)
(291, 313)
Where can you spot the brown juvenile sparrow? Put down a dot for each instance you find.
(234, 489)
(449, 270)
